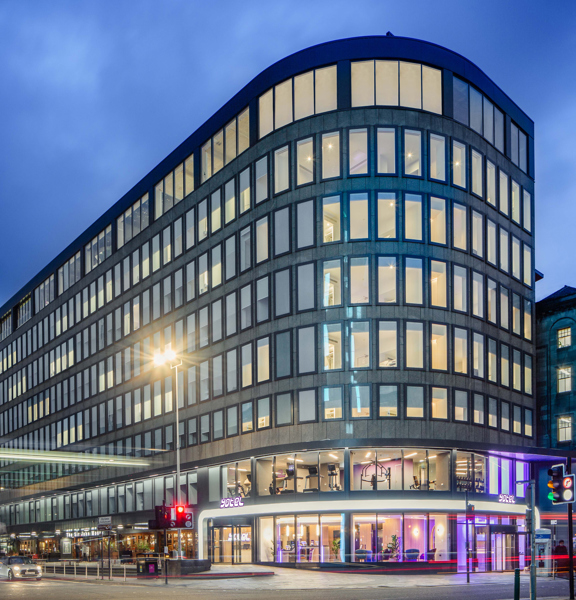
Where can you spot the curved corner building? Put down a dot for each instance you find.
(342, 259)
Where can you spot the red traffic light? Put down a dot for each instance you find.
(180, 509)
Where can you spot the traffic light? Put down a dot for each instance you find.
(470, 508)
(561, 485)
(184, 517)
(163, 520)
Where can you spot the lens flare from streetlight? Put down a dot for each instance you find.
(159, 359)
(169, 355)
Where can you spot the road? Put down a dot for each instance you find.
(72, 590)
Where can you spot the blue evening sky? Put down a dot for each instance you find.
(93, 94)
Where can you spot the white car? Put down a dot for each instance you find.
(19, 567)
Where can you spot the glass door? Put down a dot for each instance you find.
(243, 543)
(222, 545)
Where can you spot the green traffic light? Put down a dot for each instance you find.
(551, 496)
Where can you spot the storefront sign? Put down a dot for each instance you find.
(104, 523)
(507, 499)
(239, 537)
(231, 502)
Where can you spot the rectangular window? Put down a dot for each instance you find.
(515, 199)
(564, 337)
(460, 289)
(283, 409)
(413, 217)
(360, 401)
(414, 402)
(414, 345)
(478, 355)
(516, 257)
(306, 287)
(386, 215)
(505, 416)
(527, 263)
(460, 405)
(437, 220)
(412, 153)
(332, 403)
(386, 142)
(477, 234)
(459, 227)
(387, 344)
(504, 365)
(504, 193)
(477, 172)
(492, 361)
(386, 279)
(439, 347)
(460, 351)
(359, 229)
(438, 284)
(477, 295)
(413, 279)
(306, 406)
(306, 350)
(388, 401)
(492, 412)
(305, 224)
(281, 170)
(261, 240)
(330, 155)
(479, 409)
(261, 180)
(437, 157)
(439, 403)
(565, 429)
(245, 249)
(458, 164)
(331, 219)
(358, 151)
(331, 283)
(359, 280)
(564, 379)
(527, 211)
(360, 344)
(263, 359)
(282, 293)
(215, 211)
(492, 301)
(246, 358)
(245, 198)
(491, 183)
(332, 346)
(283, 354)
(304, 161)
(247, 411)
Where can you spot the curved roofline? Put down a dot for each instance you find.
(346, 49)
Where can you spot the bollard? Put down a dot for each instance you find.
(74, 570)
(64, 565)
(124, 572)
(86, 572)
(97, 570)
(516, 584)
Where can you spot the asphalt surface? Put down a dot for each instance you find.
(64, 590)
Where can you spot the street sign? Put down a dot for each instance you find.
(542, 535)
(104, 523)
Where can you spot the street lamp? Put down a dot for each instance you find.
(169, 357)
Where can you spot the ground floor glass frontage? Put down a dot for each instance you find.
(497, 542)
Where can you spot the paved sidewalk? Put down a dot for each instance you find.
(303, 579)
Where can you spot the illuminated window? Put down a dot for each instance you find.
(564, 337)
(565, 429)
(564, 379)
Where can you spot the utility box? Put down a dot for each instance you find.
(544, 564)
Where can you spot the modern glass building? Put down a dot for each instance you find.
(342, 257)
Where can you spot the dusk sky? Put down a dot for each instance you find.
(94, 94)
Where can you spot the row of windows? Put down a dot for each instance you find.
(209, 218)
(169, 294)
(304, 406)
(174, 187)
(137, 217)
(70, 273)
(343, 345)
(470, 353)
(236, 311)
(358, 211)
(313, 92)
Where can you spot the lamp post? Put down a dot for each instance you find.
(169, 357)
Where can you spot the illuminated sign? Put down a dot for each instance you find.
(507, 499)
(239, 537)
(231, 502)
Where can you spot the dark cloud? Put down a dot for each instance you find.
(96, 93)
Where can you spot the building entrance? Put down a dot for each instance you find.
(231, 544)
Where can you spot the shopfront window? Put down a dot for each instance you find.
(332, 471)
(286, 539)
(438, 538)
(264, 476)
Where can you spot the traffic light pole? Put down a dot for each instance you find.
(570, 539)
(177, 434)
